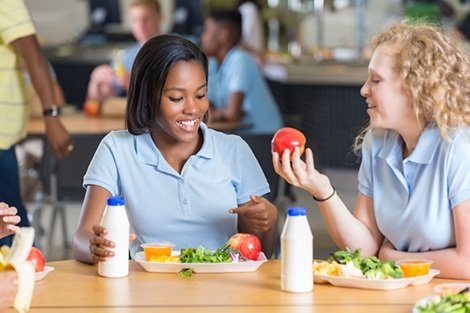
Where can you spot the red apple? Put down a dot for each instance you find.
(288, 138)
(248, 245)
(91, 108)
(37, 258)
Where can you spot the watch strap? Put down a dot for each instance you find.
(53, 110)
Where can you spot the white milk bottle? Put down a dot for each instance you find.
(296, 252)
(116, 222)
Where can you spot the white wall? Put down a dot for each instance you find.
(60, 21)
(340, 26)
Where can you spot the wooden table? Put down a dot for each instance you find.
(80, 124)
(76, 287)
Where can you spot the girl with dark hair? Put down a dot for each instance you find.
(182, 181)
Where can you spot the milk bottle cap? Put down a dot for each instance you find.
(115, 201)
(296, 211)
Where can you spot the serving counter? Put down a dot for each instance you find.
(323, 73)
(326, 97)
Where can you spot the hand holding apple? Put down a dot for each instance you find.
(288, 138)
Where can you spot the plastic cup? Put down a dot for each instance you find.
(156, 249)
(414, 267)
(451, 288)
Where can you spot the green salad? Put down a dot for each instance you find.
(202, 255)
(371, 267)
(450, 303)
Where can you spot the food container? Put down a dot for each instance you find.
(156, 249)
(414, 267)
(451, 288)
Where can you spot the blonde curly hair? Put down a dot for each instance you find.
(435, 72)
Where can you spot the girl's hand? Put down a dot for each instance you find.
(99, 245)
(8, 220)
(301, 173)
(258, 215)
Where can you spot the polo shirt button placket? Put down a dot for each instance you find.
(183, 195)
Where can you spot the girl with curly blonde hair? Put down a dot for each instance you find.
(414, 178)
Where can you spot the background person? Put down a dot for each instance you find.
(414, 199)
(252, 29)
(30, 151)
(237, 88)
(167, 161)
(18, 43)
(109, 80)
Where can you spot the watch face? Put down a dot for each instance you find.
(52, 111)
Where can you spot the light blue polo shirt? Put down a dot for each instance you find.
(127, 58)
(413, 198)
(188, 209)
(239, 73)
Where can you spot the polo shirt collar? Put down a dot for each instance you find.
(220, 67)
(427, 145)
(149, 154)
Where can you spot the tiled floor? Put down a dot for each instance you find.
(343, 179)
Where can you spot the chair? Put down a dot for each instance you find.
(260, 144)
(62, 182)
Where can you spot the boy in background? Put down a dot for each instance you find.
(237, 88)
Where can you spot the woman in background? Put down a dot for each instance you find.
(252, 29)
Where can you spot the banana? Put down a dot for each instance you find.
(120, 69)
(15, 258)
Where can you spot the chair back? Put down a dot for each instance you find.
(260, 144)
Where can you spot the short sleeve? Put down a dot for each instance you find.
(102, 170)
(15, 21)
(251, 179)
(365, 170)
(459, 169)
(241, 71)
